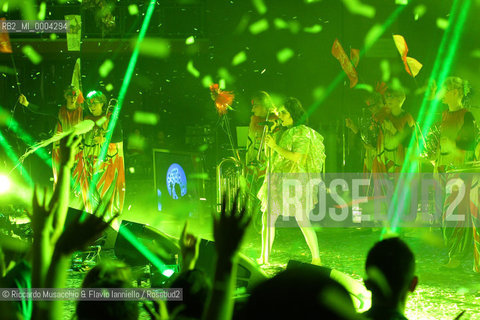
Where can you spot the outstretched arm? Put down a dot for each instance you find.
(228, 231)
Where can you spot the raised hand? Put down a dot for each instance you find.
(230, 227)
(42, 215)
(68, 149)
(188, 248)
(78, 234)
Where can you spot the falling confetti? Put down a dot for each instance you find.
(145, 118)
(373, 34)
(223, 73)
(133, 9)
(159, 48)
(318, 93)
(105, 68)
(222, 84)
(191, 69)
(442, 23)
(357, 7)
(385, 67)
(412, 66)
(109, 87)
(207, 81)
(5, 6)
(259, 26)
(53, 36)
(316, 28)
(190, 40)
(280, 23)
(33, 55)
(294, 26)
(260, 6)
(419, 11)
(239, 58)
(364, 86)
(284, 55)
(41, 11)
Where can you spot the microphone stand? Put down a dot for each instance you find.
(266, 240)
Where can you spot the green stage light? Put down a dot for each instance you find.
(5, 184)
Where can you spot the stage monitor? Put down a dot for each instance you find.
(179, 181)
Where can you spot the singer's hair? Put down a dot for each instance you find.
(98, 96)
(294, 107)
(457, 83)
(264, 99)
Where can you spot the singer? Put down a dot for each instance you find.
(296, 150)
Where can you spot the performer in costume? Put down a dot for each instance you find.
(367, 129)
(110, 174)
(69, 115)
(297, 152)
(457, 144)
(262, 105)
(396, 126)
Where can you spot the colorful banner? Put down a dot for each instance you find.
(347, 65)
(412, 66)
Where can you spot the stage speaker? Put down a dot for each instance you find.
(361, 297)
(248, 273)
(162, 245)
(107, 240)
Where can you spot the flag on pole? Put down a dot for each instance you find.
(347, 65)
(412, 66)
(5, 45)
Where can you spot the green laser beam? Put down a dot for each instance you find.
(338, 79)
(122, 93)
(442, 66)
(26, 137)
(11, 154)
